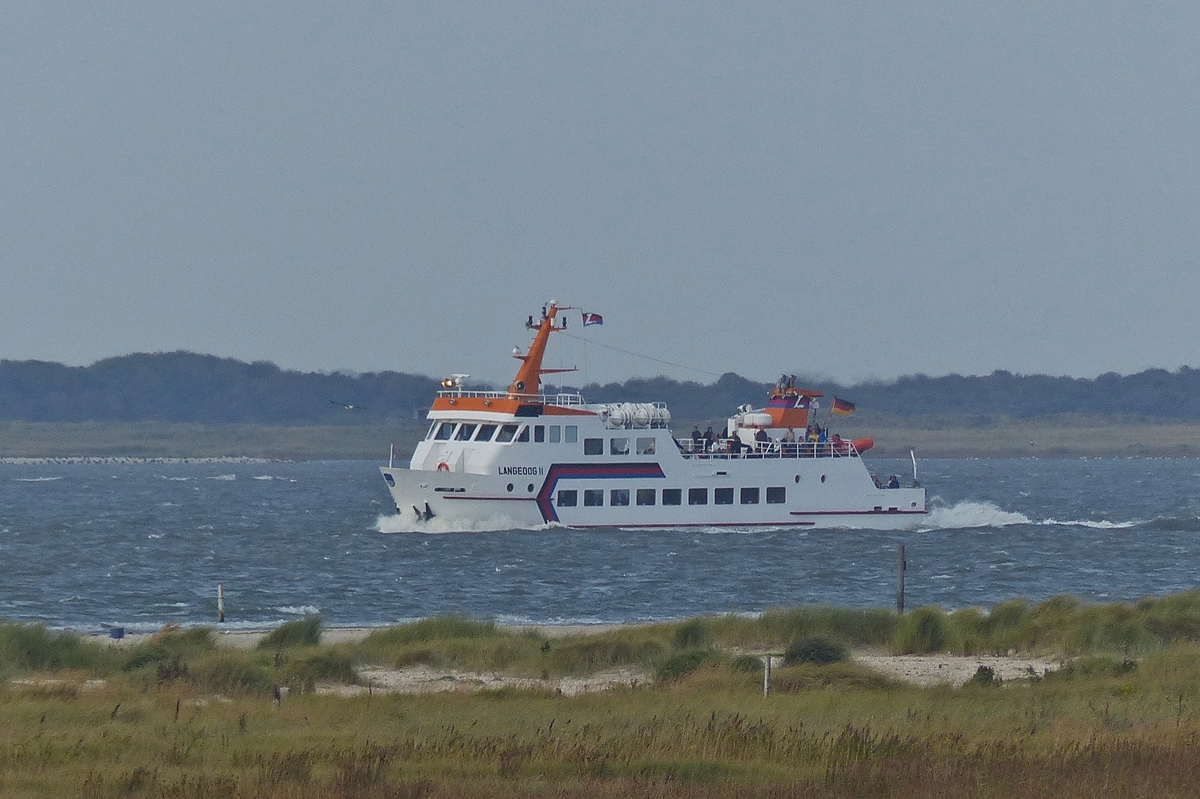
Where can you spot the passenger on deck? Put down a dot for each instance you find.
(894, 482)
(810, 439)
(735, 444)
(762, 440)
(875, 480)
(695, 436)
(789, 443)
(709, 438)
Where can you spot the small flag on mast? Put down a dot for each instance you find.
(592, 319)
(842, 407)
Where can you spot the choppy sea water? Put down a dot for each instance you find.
(86, 546)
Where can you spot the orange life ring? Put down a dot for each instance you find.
(443, 467)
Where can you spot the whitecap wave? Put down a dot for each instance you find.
(223, 477)
(299, 610)
(972, 514)
(1103, 524)
(37, 479)
(401, 523)
(265, 477)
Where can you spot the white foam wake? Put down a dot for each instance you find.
(972, 514)
(407, 523)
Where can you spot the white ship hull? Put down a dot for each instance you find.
(805, 492)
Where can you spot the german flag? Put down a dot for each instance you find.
(842, 407)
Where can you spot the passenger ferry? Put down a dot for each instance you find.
(531, 459)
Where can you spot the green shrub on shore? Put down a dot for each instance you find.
(1063, 624)
(328, 664)
(692, 633)
(231, 672)
(775, 628)
(815, 649)
(679, 664)
(643, 647)
(437, 628)
(302, 632)
(31, 647)
(923, 631)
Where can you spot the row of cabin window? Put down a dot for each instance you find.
(619, 497)
(618, 446)
(468, 431)
(554, 434)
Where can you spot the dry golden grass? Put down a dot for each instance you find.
(826, 732)
(177, 716)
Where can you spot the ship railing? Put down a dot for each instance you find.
(723, 449)
(544, 399)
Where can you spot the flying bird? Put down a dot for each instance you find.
(350, 407)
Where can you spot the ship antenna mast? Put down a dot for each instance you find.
(528, 381)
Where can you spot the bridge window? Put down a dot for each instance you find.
(618, 497)
(539, 433)
(697, 496)
(523, 436)
(432, 427)
(672, 496)
(722, 496)
(750, 496)
(593, 446)
(444, 431)
(593, 497)
(645, 446)
(465, 432)
(567, 498)
(645, 496)
(618, 446)
(506, 433)
(776, 495)
(486, 431)
(571, 433)
(555, 434)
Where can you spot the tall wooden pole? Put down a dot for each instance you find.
(901, 566)
(220, 602)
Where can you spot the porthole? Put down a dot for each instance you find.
(822, 478)
(510, 486)
(529, 488)
(797, 478)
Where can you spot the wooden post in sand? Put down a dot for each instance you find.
(901, 566)
(766, 675)
(220, 602)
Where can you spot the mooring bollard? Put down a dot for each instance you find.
(220, 602)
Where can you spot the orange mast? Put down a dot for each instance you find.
(528, 381)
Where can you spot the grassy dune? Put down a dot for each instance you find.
(176, 716)
(930, 437)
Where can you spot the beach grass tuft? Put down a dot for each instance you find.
(302, 632)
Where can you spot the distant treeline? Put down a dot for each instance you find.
(204, 389)
(1154, 393)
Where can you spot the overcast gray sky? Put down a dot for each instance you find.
(858, 190)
